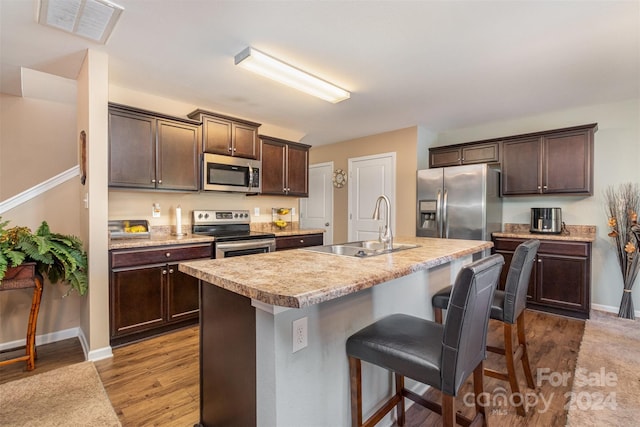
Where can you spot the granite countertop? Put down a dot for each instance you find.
(300, 278)
(575, 233)
(161, 236)
(298, 232)
(292, 229)
(158, 239)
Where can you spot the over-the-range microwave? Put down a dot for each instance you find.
(227, 173)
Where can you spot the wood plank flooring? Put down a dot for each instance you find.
(155, 382)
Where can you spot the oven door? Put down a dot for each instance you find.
(244, 247)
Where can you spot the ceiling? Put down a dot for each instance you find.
(439, 64)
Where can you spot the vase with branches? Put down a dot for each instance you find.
(622, 206)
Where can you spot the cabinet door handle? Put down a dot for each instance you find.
(171, 271)
(234, 149)
(545, 187)
(164, 271)
(539, 187)
(153, 181)
(229, 149)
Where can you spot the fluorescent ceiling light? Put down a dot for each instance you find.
(92, 19)
(273, 68)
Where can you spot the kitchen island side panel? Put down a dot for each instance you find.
(227, 358)
(311, 386)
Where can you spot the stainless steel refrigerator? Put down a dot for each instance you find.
(459, 202)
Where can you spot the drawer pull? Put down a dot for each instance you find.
(301, 240)
(168, 254)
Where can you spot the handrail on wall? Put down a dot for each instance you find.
(39, 189)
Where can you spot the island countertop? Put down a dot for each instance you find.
(300, 278)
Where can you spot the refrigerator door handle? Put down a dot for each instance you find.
(445, 216)
(438, 215)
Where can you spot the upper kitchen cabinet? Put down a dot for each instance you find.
(152, 151)
(464, 154)
(285, 167)
(227, 135)
(553, 162)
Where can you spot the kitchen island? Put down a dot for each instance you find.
(249, 372)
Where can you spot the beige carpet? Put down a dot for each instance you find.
(606, 387)
(69, 396)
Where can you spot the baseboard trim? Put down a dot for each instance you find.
(43, 339)
(93, 355)
(611, 309)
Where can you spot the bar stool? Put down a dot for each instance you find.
(508, 307)
(428, 352)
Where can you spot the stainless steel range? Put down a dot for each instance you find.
(232, 232)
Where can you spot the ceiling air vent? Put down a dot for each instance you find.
(92, 19)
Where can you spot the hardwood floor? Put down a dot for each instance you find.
(155, 382)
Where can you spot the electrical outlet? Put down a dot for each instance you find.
(299, 334)
(293, 211)
(256, 211)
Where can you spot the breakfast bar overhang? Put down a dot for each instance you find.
(249, 374)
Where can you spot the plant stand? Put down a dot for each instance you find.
(22, 277)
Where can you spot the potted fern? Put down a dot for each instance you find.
(58, 257)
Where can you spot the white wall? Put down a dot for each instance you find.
(616, 160)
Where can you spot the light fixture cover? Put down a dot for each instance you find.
(268, 66)
(92, 19)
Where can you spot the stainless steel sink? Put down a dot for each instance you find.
(360, 249)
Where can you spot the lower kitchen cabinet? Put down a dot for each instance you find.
(561, 278)
(148, 295)
(299, 241)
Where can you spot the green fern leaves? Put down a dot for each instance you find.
(59, 257)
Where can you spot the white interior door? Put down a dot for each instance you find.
(316, 211)
(370, 177)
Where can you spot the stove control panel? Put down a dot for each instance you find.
(221, 217)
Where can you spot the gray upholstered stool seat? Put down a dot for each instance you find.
(442, 356)
(507, 307)
(391, 344)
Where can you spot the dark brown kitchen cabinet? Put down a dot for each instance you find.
(554, 162)
(227, 135)
(285, 167)
(561, 278)
(152, 151)
(299, 241)
(464, 154)
(148, 295)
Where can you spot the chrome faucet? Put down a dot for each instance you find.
(386, 237)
